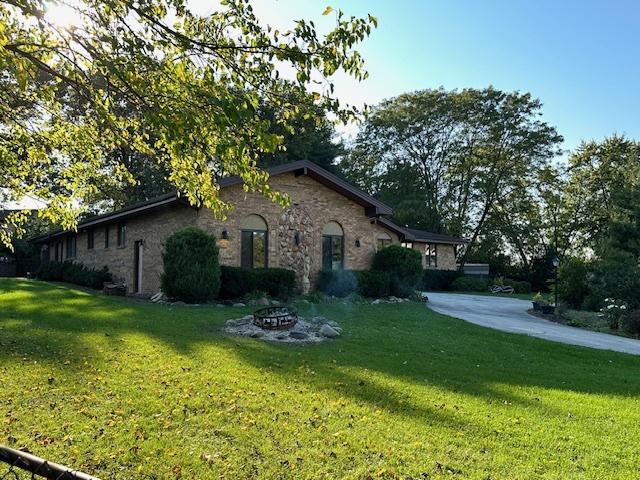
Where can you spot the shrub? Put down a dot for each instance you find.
(573, 281)
(521, 286)
(439, 280)
(372, 284)
(338, 283)
(191, 270)
(631, 323)
(617, 276)
(613, 312)
(76, 273)
(237, 282)
(404, 267)
(468, 283)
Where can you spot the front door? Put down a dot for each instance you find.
(138, 248)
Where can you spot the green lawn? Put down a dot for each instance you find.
(124, 389)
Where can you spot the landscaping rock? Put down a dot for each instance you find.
(320, 320)
(377, 301)
(239, 304)
(159, 297)
(298, 335)
(179, 302)
(304, 331)
(219, 305)
(328, 331)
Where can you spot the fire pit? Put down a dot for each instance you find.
(275, 318)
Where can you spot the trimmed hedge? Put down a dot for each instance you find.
(404, 267)
(235, 282)
(468, 283)
(368, 283)
(338, 283)
(191, 269)
(75, 273)
(439, 280)
(372, 284)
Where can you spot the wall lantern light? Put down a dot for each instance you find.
(358, 242)
(225, 234)
(296, 238)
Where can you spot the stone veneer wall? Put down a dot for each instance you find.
(313, 205)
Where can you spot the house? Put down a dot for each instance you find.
(330, 225)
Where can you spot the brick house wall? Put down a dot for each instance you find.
(446, 255)
(313, 206)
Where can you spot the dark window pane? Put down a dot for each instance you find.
(259, 250)
(246, 249)
(332, 252)
(106, 237)
(90, 239)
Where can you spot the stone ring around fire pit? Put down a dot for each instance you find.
(275, 318)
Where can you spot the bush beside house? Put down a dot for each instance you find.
(73, 272)
(237, 282)
(191, 269)
(402, 265)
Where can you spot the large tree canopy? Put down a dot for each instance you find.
(455, 160)
(159, 80)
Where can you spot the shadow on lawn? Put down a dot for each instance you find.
(381, 345)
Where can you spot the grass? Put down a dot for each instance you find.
(124, 389)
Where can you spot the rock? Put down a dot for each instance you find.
(333, 324)
(328, 331)
(257, 334)
(219, 305)
(158, 297)
(275, 302)
(298, 335)
(320, 320)
(239, 304)
(248, 318)
(262, 302)
(376, 302)
(179, 302)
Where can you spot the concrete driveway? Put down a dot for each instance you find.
(510, 315)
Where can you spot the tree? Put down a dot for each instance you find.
(193, 85)
(462, 159)
(602, 194)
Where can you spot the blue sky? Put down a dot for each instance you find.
(580, 58)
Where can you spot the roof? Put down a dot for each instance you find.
(372, 206)
(127, 212)
(414, 235)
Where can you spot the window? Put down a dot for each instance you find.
(58, 252)
(106, 236)
(407, 244)
(332, 247)
(431, 255)
(383, 241)
(90, 240)
(121, 234)
(253, 242)
(71, 247)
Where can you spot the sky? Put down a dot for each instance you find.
(580, 58)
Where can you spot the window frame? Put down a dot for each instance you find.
(328, 266)
(121, 235)
(431, 251)
(90, 239)
(71, 246)
(250, 256)
(383, 243)
(106, 235)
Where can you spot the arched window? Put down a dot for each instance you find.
(383, 240)
(332, 246)
(253, 238)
